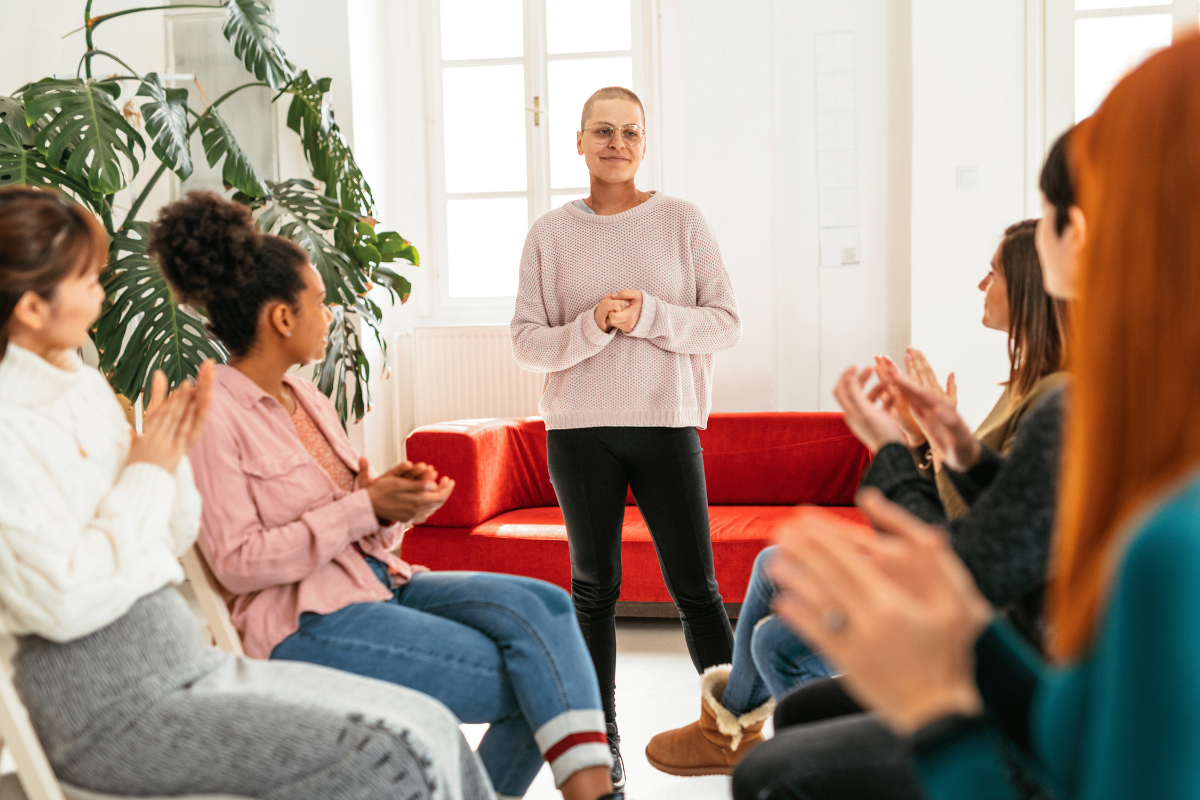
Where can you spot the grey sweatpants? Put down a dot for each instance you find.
(143, 707)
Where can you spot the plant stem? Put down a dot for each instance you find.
(93, 22)
(88, 58)
(87, 35)
(145, 193)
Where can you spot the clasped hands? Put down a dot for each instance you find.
(907, 409)
(620, 310)
(407, 492)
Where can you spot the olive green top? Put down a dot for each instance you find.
(997, 432)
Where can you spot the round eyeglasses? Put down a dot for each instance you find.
(603, 132)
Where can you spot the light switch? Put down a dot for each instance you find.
(967, 178)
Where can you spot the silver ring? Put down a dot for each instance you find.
(834, 620)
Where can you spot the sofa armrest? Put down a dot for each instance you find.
(497, 465)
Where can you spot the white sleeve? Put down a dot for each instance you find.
(60, 579)
(185, 512)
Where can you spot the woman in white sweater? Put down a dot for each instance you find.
(623, 300)
(125, 696)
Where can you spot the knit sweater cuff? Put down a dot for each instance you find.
(587, 321)
(646, 320)
(892, 466)
(973, 482)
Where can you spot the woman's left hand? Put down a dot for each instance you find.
(866, 419)
(627, 320)
(902, 621)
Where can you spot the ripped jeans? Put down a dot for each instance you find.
(494, 648)
(768, 659)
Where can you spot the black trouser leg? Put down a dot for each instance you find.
(666, 473)
(814, 702)
(590, 483)
(591, 469)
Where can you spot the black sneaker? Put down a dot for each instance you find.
(618, 767)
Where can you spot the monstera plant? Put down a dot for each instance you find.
(71, 135)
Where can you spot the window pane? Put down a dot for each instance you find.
(560, 200)
(1092, 5)
(483, 111)
(575, 27)
(486, 237)
(481, 29)
(571, 84)
(1106, 48)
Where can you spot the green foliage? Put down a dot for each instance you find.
(26, 166)
(251, 30)
(167, 122)
(70, 135)
(77, 121)
(297, 211)
(143, 327)
(218, 142)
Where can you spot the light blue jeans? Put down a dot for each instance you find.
(768, 659)
(494, 648)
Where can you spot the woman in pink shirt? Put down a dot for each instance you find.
(300, 535)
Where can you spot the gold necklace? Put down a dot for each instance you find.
(75, 429)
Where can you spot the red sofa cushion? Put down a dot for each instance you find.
(784, 458)
(533, 542)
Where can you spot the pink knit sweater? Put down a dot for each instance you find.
(660, 374)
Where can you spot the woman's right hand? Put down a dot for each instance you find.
(947, 431)
(918, 369)
(608, 305)
(172, 424)
(894, 403)
(404, 500)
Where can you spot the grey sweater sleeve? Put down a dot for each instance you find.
(1005, 539)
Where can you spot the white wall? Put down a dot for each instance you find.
(968, 110)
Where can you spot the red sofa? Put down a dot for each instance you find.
(503, 515)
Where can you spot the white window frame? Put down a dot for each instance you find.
(644, 52)
(1050, 71)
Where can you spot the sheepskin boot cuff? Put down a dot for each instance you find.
(716, 742)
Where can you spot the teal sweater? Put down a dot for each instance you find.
(1124, 722)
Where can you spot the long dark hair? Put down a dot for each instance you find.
(215, 258)
(1036, 330)
(44, 239)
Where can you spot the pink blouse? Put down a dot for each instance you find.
(276, 530)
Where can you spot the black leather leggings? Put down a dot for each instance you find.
(590, 469)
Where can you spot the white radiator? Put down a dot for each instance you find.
(464, 372)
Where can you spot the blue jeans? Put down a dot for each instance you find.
(768, 659)
(500, 649)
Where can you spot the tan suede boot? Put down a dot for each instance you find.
(714, 744)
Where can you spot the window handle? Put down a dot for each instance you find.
(537, 110)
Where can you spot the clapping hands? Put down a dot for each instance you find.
(172, 423)
(620, 310)
(405, 493)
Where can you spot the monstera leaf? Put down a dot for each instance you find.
(79, 120)
(12, 114)
(251, 30)
(299, 212)
(167, 122)
(143, 328)
(310, 115)
(26, 166)
(219, 143)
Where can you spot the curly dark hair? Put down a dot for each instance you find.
(215, 258)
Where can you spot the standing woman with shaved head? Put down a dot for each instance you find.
(623, 301)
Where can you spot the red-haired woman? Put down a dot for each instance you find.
(1114, 714)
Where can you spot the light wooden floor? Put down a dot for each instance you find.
(657, 689)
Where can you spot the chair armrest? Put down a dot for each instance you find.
(497, 465)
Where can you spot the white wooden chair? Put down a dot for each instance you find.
(35, 779)
(208, 595)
